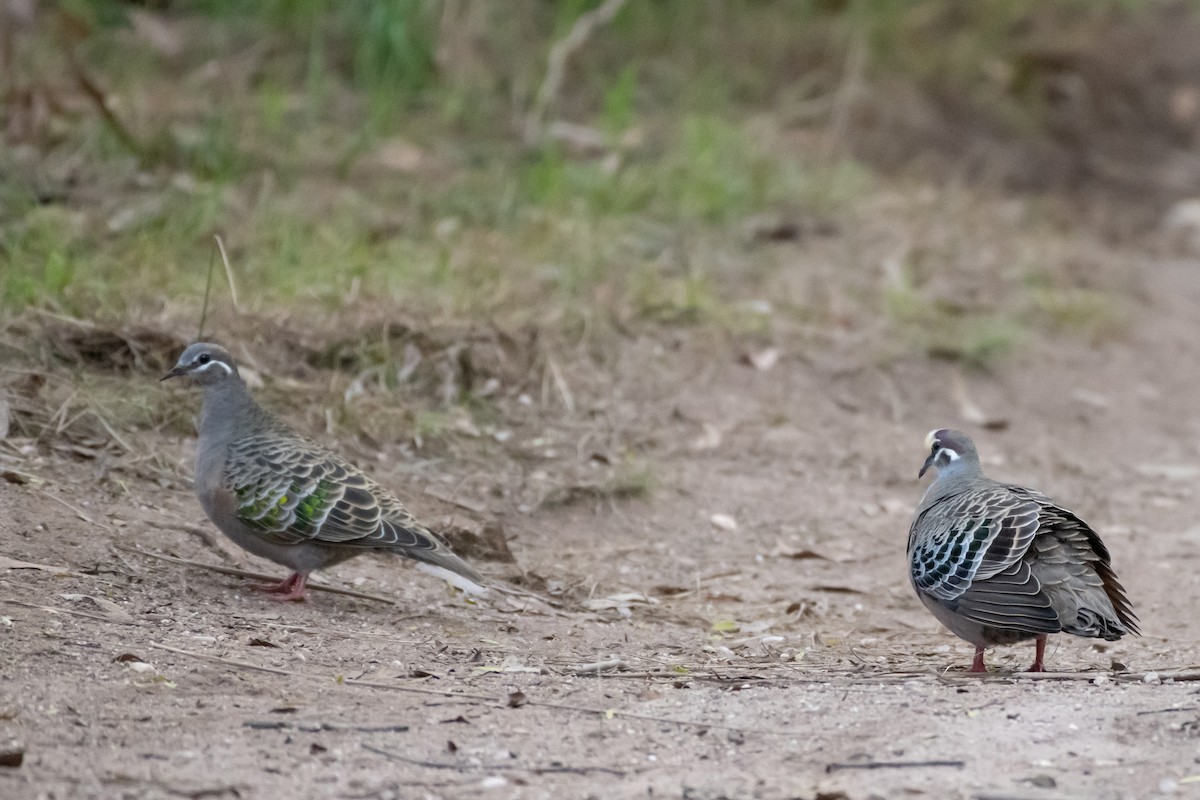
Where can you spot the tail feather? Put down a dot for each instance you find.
(468, 585)
(441, 556)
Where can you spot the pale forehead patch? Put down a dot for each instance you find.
(931, 437)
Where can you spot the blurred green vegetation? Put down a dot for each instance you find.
(376, 149)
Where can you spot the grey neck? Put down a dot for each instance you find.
(954, 478)
(226, 406)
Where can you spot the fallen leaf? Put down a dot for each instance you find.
(801, 555)
(1179, 472)
(1094, 399)
(516, 699)
(157, 31)
(107, 607)
(762, 360)
(400, 155)
(12, 756)
(773, 229)
(622, 603)
(256, 642)
(973, 413)
(709, 438)
(514, 664)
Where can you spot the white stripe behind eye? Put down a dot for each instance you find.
(221, 364)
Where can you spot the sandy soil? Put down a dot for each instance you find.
(777, 660)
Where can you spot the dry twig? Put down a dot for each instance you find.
(71, 611)
(76, 511)
(491, 767)
(598, 667)
(228, 271)
(556, 65)
(482, 699)
(892, 765)
(241, 573)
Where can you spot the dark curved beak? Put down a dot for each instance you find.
(925, 467)
(175, 372)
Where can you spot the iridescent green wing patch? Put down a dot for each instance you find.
(285, 493)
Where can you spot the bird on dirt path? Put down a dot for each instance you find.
(286, 498)
(998, 563)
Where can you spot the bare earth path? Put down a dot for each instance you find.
(775, 661)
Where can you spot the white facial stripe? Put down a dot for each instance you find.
(949, 454)
(221, 364)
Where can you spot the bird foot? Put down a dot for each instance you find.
(977, 665)
(1039, 653)
(289, 589)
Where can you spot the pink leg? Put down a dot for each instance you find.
(291, 588)
(1038, 654)
(977, 664)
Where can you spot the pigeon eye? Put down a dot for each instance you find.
(203, 358)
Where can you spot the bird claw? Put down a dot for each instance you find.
(289, 589)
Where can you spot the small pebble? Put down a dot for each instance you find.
(12, 754)
(724, 522)
(1152, 678)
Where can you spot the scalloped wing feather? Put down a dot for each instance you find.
(1010, 600)
(1010, 558)
(294, 491)
(1071, 557)
(968, 538)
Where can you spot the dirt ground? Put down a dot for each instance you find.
(786, 658)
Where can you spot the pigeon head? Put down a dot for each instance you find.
(205, 364)
(947, 450)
